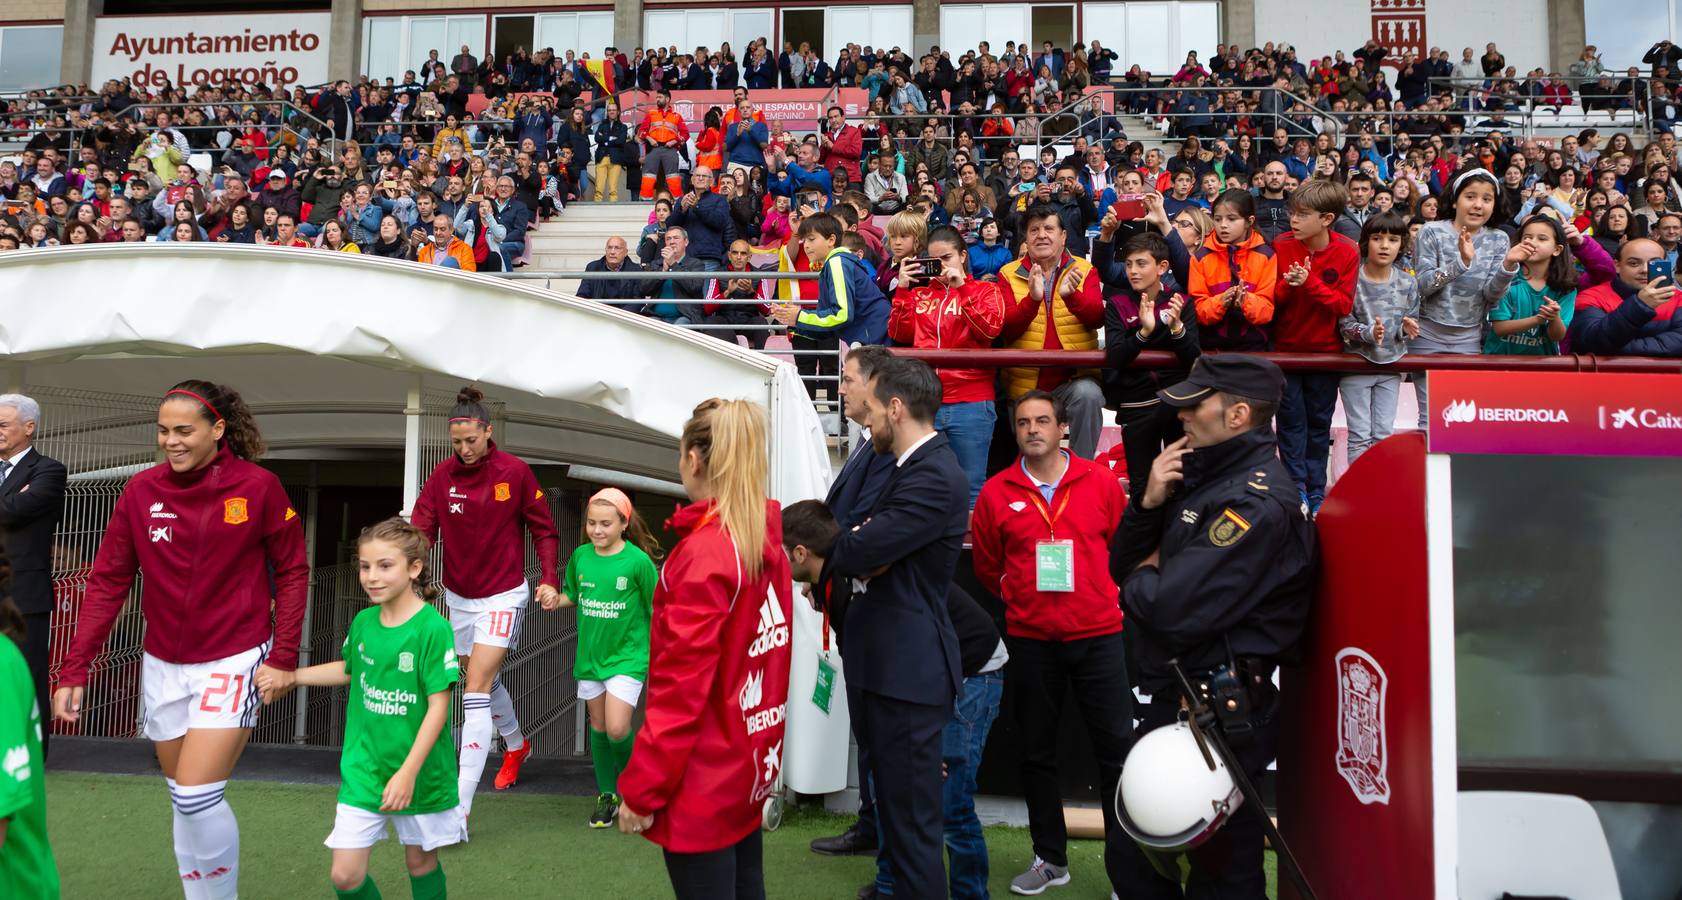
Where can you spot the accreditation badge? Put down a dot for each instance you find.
(824, 689)
(1054, 566)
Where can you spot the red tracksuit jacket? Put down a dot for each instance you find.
(205, 541)
(1011, 517)
(1305, 317)
(478, 510)
(943, 318)
(711, 744)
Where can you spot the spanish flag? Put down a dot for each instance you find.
(602, 71)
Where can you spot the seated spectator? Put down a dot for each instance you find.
(885, 187)
(615, 258)
(751, 318)
(1629, 315)
(675, 258)
(443, 248)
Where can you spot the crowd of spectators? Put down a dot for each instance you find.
(981, 144)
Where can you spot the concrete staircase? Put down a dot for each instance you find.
(576, 237)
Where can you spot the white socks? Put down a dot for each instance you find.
(206, 841)
(476, 734)
(502, 715)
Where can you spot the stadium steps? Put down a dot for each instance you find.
(576, 237)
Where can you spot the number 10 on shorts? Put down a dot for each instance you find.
(501, 624)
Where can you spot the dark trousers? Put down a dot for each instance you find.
(1144, 432)
(827, 365)
(1305, 427)
(736, 871)
(904, 743)
(1043, 673)
(36, 654)
(867, 797)
(1229, 865)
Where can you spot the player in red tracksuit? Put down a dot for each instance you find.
(206, 528)
(479, 500)
(710, 751)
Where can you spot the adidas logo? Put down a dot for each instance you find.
(773, 627)
(16, 763)
(473, 746)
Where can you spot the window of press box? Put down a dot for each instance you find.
(29, 56)
(178, 7)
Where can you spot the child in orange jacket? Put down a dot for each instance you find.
(1232, 278)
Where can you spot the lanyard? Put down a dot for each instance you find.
(1045, 511)
(828, 591)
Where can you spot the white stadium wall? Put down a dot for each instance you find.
(1519, 28)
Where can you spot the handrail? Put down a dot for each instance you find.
(1303, 362)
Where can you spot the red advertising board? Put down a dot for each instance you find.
(1355, 752)
(799, 109)
(1555, 413)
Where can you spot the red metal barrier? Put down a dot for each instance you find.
(1306, 362)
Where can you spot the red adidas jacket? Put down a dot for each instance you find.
(205, 541)
(479, 510)
(939, 317)
(1011, 517)
(1305, 317)
(710, 748)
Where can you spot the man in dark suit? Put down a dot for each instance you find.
(31, 503)
(899, 647)
(851, 496)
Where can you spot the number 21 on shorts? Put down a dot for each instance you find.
(232, 686)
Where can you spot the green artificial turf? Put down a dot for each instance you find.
(111, 837)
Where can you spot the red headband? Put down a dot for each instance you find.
(214, 415)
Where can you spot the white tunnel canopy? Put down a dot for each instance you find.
(326, 348)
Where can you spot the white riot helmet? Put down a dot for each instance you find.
(1174, 794)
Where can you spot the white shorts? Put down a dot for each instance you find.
(217, 694)
(623, 687)
(493, 621)
(357, 829)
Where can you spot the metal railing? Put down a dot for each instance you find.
(1305, 362)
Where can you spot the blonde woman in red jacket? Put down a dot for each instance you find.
(710, 751)
(953, 312)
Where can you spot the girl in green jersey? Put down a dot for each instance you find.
(611, 581)
(400, 655)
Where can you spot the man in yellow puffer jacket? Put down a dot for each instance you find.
(1068, 320)
(662, 132)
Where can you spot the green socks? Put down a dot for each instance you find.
(602, 759)
(365, 891)
(621, 757)
(429, 886)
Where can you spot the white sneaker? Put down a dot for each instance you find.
(1039, 876)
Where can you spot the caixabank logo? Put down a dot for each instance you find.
(1647, 418)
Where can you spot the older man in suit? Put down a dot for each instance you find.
(899, 647)
(31, 503)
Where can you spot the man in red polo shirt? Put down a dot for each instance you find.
(1041, 532)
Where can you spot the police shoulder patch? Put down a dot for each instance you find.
(1228, 529)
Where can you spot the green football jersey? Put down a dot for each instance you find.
(614, 595)
(392, 672)
(26, 861)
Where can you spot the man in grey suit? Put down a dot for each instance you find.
(31, 503)
(898, 644)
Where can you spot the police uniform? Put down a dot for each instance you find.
(1233, 583)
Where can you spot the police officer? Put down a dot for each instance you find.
(1215, 558)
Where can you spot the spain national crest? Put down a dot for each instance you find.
(503, 492)
(1228, 529)
(1362, 752)
(235, 510)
